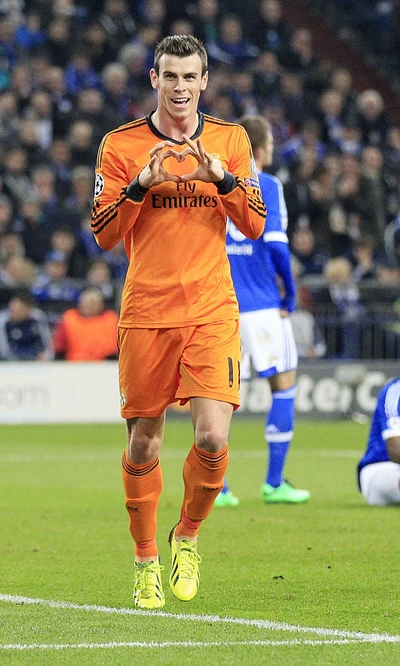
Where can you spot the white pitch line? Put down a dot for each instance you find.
(167, 644)
(259, 624)
(167, 455)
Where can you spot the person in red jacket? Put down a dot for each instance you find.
(88, 332)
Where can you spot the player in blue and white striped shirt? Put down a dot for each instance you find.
(268, 344)
(379, 468)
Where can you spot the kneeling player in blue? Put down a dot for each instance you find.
(379, 468)
(265, 329)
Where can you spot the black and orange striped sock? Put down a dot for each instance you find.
(203, 474)
(143, 486)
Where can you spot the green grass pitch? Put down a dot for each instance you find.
(305, 585)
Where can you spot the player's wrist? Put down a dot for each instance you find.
(135, 191)
(226, 184)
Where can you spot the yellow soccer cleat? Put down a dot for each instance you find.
(148, 591)
(185, 575)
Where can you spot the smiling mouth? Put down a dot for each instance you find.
(180, 101)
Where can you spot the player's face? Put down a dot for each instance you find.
(179, 84)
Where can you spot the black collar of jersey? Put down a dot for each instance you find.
(155, 131)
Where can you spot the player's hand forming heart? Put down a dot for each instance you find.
(209, 169)
(154, 172)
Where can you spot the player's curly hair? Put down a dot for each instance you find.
(181, 46)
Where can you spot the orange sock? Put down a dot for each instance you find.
(143, 485)
(203, 474)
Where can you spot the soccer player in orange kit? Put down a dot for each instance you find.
(165, 184)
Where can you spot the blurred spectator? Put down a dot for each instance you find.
(267, 28)
(282, 131)
(11, 245)
(392, 151)
(16, 177)
(133, 56)
(223, 107)
(363, 256)
(8, 50)
(299, 56)
(24, 332)
(372, 168)
(40, 109)
(91, 108)
(392, 243)
(267, 72)
(148, 36)
(28, 135)
(98, 45)
(358, 210)
(99, 277)
(17, 271)
(116, 99)
(59, 41)
(62, 101)
(88, 332)
(43, 182)
(322, 208)
(297, 193)
(296, 103)
(86, 239)
(30, 224)
(242, 93)
(82, 148)
(39, 65)
(309, 340)
(154, 12)
(331, 117)
(80, 199)
(206, 17)
(80, 73)
(231, 47)
(64, 242)
(345, 297)
(8, 116)
(22, 84)
(349, 139)
(341, 81)
(312, 260)
(181, 26)
(52, 285)
(372, 118)
(308, 138)
(30, 34)
(117, 260)
(6, 214)
(118, 23)
(60, 163)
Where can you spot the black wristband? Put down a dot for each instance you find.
(227, 184)
(135, 191)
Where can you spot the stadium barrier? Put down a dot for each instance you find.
(63, 392)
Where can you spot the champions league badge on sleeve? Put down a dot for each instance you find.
(98, 185)
(253, 181)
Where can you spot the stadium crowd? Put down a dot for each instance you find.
(71, 70)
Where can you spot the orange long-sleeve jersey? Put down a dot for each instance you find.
(178, 271)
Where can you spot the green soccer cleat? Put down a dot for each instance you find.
(184, 578)
(226, 499)
(283, 493)
(148, 591)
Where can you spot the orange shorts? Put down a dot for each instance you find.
(160, 366)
